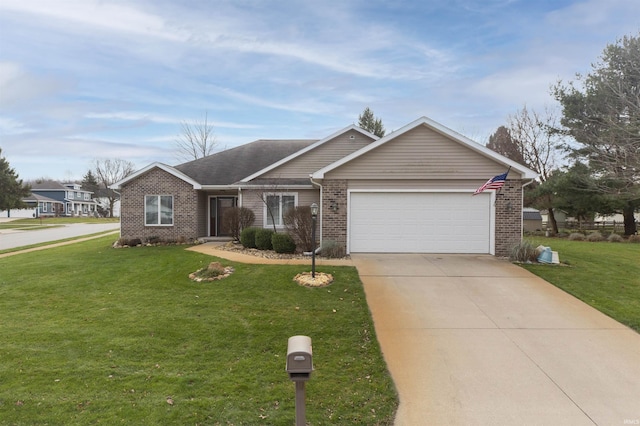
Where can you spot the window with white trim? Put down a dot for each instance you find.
(158, 210)
(276, 206)
(86, 196)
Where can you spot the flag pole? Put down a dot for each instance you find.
(500, 189)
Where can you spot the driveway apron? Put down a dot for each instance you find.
(475, 340)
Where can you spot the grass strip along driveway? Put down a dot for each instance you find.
(601, 274)
(92, 334)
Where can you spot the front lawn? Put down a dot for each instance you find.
(92, 334)
(604, 275)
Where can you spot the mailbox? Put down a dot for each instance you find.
(299, 357)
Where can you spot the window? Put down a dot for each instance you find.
(86, 196)
(276, 206)
(78, 196)
(158, 209)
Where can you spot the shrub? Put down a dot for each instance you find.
(634, 238)
(332, 249)
(248, 237)
(235, 219)
(154, 239)
(263, 239)
(524, 251)
(299, 224)
(615, 238)
(576, 236)
(134, 242)
(595, 236)
(283, 243)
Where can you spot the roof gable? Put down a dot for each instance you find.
(308, 149)
(152, 166)
(451, 135)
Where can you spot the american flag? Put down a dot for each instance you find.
(495, 182)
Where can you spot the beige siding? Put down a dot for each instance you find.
(252, 199)
(327, 153)
(381, 184)
(421, 153)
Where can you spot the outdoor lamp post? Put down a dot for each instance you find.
(314, 216)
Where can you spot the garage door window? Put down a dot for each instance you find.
(276, 206)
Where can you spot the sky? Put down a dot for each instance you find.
(93, 79)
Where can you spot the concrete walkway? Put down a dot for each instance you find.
(475, 340)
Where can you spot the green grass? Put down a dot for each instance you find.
(604, 275)
(92, 334)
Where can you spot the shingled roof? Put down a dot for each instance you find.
(230, 166)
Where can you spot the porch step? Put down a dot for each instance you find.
(215, 239)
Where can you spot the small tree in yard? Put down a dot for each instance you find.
(235, 219)
(299, 224)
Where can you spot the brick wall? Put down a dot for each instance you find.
(508, 217)
(159, 182)
(334, 220)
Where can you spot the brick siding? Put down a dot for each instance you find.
(159, 182)
(334, 220)
(508, 217)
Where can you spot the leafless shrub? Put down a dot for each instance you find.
(576, 236)
(299, 224)
(235, 219)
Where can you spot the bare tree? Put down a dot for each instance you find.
(196, 139)
(109, 171)
(534, 133)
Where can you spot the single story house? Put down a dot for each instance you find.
(407, 192)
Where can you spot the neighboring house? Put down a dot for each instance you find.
(531, 219)
(408, 192)
(37, 206)
(101, 197)
(68, 199)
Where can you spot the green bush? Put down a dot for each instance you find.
(248, 237)
(283, 243)
(524, 251)
(263, 239)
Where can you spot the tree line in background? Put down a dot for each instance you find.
(598, 133)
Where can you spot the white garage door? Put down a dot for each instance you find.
(419, 222)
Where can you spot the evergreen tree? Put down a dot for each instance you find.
(90, 182)
(603, 115)
(370, 123)
(12, 190)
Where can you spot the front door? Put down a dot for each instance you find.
(217, 207)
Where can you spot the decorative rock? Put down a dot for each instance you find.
(321, 279)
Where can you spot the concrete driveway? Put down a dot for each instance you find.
(475, 340)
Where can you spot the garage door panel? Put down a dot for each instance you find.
(419, 222)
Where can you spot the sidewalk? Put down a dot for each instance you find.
(213, 249)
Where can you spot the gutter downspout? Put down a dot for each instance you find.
(522, 204)
(319, 185)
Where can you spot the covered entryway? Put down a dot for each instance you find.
(217, 206)
(420, 222)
